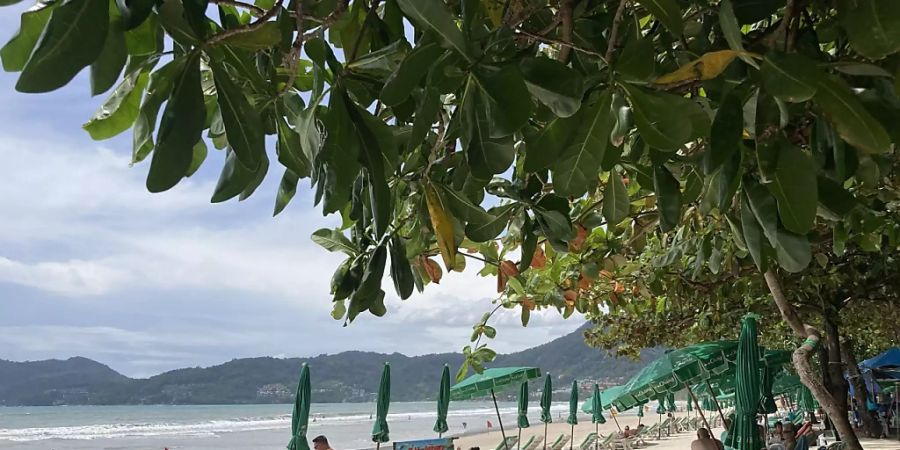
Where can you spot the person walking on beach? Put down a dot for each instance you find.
(321, 443)
(705, 442)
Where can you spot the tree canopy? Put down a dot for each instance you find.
(553, 140)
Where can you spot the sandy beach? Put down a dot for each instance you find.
(490, 440)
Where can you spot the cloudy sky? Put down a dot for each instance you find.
(91, 264)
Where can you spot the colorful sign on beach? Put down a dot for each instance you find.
(425, 444)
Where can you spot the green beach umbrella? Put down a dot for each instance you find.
(573, 412)
(491, 381)
(671, 402)
(522, 419)
(743, 434)
(300, 414)
(785, 383)
(661, 406)
(767, 402)
(805, 400)
(546, 400)
(690, 405)
(597, 406)
(380, 432)
(640, 413)
(443, 403)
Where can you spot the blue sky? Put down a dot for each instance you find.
(91, 264)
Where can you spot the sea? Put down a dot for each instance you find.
(348, 426)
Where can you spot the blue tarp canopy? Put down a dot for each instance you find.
(885, 365)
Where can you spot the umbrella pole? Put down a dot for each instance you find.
(616, 421)
(659, 429)
(519, 440)
(572, 440)
(545, 435)
(699, 409)
(719, 408)
(597, 433)
(499, 420)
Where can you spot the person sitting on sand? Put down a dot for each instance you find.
(705, 442)
(321, 443)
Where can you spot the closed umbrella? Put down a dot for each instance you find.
(523, 411)
(443, 403)
(490, 381)
(660, 410)
(743, 434)
(640, 413)
(546, 400)
(573, 412)
(671, 402)
(690, 407)
(300, 414)
(380, 432)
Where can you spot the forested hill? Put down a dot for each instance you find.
(347, 376)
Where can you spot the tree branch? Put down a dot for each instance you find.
(550, 40)
(329, 20)
(246, 28)
(614, 31)
(291, 58)
(565, 17)
(254, 10)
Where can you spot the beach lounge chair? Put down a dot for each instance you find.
(620, 444)
(588, 442)
(526, 444)
(651, 432)
(534, 443)
(560, 442)
(640, 437)
(604, 441)
(510, 444)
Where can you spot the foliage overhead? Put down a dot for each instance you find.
(567, 134)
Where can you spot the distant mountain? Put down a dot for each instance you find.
(347, 376)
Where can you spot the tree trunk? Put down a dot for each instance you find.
(826, 381)
(870, 427)
(804, 369)
(836, 383)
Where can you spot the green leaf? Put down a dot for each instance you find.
(507, 100)
(9, 2)
(839, 238)
(490, 229)
(732, 31)
(180, 128)
(851, 120)
(134, 12)
(792, 78)
(372, 159)
(834, 198)
(752, 11)
(235, 179)
(637, 60)
(16, 52)
(485, 155)
(72, 40)
(668, 194)
(544, 150)
(146, 39)
(286, 190)
(462, 207)
(725, 134)
(615, 200)
(334, 241)
(668, 12)
(243, 126)
(529, 244)
(121, 109)
(764, 209)
(659, 118)
(159, 88)
(266, 36)
(399, 85)
(338, 310)
(873, 26)
(197, 157)
(426, 113)
(792, 251)
(433, 16)
(105, 70)
(794, 187)
(290, 151)
(729, 177)
(576, 171)
(753, 235)
(401, 272)
(860, 69)
(554, 84)
(369, 293)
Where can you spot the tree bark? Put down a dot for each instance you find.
(836, 384)
(801, 359)
(870, 427)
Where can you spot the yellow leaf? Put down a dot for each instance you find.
(443, 226)
(494, 10)
(709, 66)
